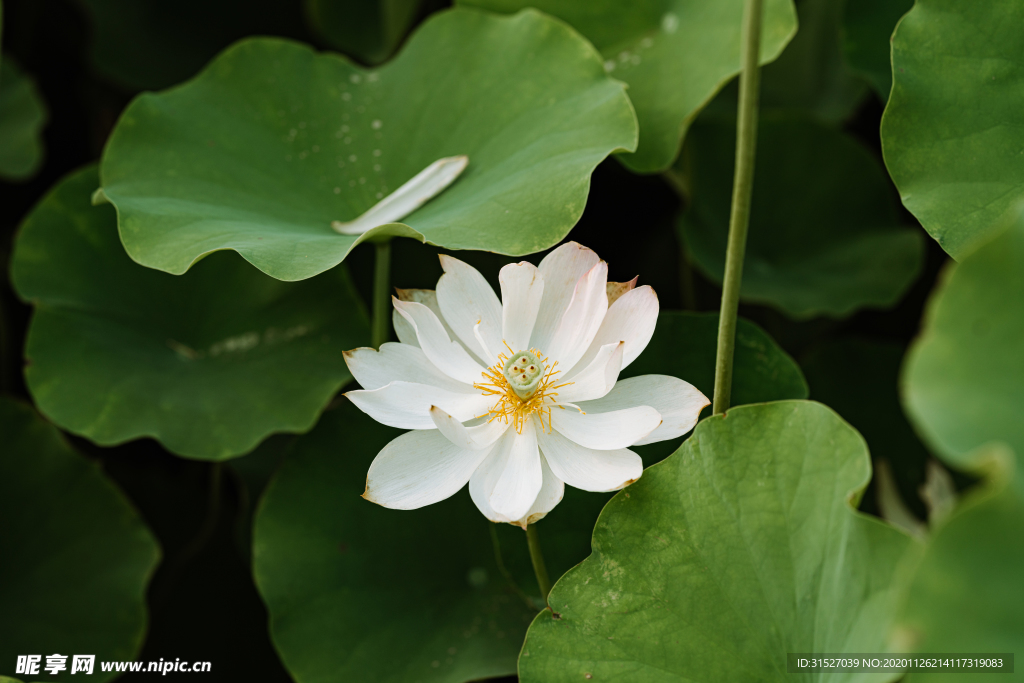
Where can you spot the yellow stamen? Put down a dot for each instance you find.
(509, 407)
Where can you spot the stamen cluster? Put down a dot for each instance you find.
(510, 407)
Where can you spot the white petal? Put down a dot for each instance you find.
(522, 288)
(581, 320)
(466, 299)
(406, 405)
(597, 378)
(419, 468)
(419, 189)
(448, 356)
(510, 479)
(471, 438)
(587, 468)
(561, 270)
(607, 431)
(551, 492)
(403, 328)
(394, 362)
(631, 319)
(678, 402)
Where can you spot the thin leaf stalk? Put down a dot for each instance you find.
(537, 558)
(381, 294)
(742, 189)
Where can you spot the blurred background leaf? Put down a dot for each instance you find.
(208, 364)
(22, 117)
(368, 30)
(868, 26)
(76, 556)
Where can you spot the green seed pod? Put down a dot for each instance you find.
(524, 371)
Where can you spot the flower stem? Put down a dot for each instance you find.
(381, 295)
(537, 557)
(739, 218)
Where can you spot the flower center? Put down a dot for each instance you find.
(523, 384)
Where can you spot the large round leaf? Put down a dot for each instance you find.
(76, 557)
(951, 134)
(868, 26)
(360, 592)
(368, 29)
(824, 227)
(967, 594)
(208, 364)
(963, 382)
(273, 142)
(739, 548)
(674, 55)
(22, 117)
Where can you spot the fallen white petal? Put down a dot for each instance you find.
(421, 188)
(466, 300)
(448, 356)
(581, 319)
(522, 288)
(561, 270)
(597, 378)
(678, 402)
(606, 431)
(589, 469)
(419, 468)
(395, 362)
(406, 405)
(631, 319)
(471, 438)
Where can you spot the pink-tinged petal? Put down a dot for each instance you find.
(522, 288)
(406, 405)
(403, 329)
(395, 362)
(617, 289)
(596, 379)
(607, 431)
(581, 320)
(448, 356)
(631, 319)
(419, 468)
(589, 469)
(561, 270)
(470, 438)
(679, 403)
(466, 300)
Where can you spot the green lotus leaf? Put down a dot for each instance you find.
(951, 134)
(360, 592)
(272, 143)
(367, 29)
(868, 26)
(739, 548)
(963, 381)
(674, 55)
(208, 364)
(811, 75)
(824, 237)
(966, 594)
(159, 43)
(684, 345)
(859, 379)
(77, 558)
(22, 117)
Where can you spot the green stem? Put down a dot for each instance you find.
(739, 218)
(537, 557)
(381, 295)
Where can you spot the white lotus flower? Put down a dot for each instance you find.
(517, 397)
